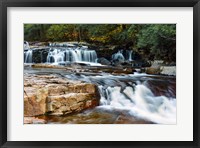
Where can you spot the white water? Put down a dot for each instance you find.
(28, 53)
(28, 56)
(131, 94)
(141, 103)
(71, 55)
(130, 52)
(26, 45)
(120, 56)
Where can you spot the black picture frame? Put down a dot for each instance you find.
(99, 3)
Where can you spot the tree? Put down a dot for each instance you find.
(159, 39)
(35, 32)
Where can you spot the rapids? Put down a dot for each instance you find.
(142, 97)
(137, 97)
(131, 93)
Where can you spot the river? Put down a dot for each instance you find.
(137, 98)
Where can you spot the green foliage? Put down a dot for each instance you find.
(155, 40)
(35, 32)
(159, 39)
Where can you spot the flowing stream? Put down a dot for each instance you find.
(135, 97)
(130, 93)
(145, 98)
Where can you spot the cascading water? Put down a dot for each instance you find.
(129, 53)
(123, 55)
(28, 56)
(57, 55)
(26, 45)
(130, 93)
(64, 53)
(141, 103)
(118, 56)
(27, 53)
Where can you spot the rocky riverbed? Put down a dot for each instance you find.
(73, 83)
(54, 95)
(82, 94)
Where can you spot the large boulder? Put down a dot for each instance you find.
(168, 70)
(35, 101)
(164, 70)
(153, 70)
(103, 61)
(55, 95)
(155, 67)
(162, 87)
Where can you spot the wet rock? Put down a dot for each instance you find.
(103, 61)
(118, 62)
(162, 88)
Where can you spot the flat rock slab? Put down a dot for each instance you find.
(52, 94)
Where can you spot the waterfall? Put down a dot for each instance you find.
(130, 94)
(28, 56)
(141, 103)
(122, 55)
(118, 56)
(26, 45)
(129, 53)
(57, 55)
(27, 53)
